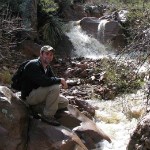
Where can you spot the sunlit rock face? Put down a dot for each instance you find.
(43, 136)
(13, 121)
(140, 138)
(110, 31)
(22, 130)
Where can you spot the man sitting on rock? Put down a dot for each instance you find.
(40, 85)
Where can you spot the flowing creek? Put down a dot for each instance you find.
(118, 118)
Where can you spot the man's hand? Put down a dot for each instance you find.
(64, 83)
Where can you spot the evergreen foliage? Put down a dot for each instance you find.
(48, 6)
(51, 28)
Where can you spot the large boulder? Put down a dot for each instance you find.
(108, 29)
(43, 136)
(88, 131)
(111, 31)
(104, 29)
(72, 12)
(67, 120)
(140, 139)
(74, 122)
(90, 25)
(13, 121)
(30, 48)
(20, 130)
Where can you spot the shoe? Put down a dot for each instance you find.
(50, 120)
(33, 113)
(63, 109)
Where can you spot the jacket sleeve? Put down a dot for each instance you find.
(36, 75)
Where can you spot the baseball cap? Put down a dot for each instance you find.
(47, 48)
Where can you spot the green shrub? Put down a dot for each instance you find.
(121, 77)
(50, 26)
(52, 30)
(5, 77)
(48, 6)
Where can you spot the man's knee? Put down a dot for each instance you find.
(54, 87)
(63, 102)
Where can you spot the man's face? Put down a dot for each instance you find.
(47, 57)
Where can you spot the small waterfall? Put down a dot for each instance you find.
(85, 45)
(101, 34)
(112, 116)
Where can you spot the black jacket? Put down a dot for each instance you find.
(34, 76)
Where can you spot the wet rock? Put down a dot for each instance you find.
(82, 65)
(87, 131)
(69, 72)
(136, 112)
(90, 25)
(108, 30)
(140, 137)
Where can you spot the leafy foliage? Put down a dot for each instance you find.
(121, 77)
(48, 6)
(50, 26)
(52, 30)
(5, 77)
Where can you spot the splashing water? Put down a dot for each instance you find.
(111, 116)
(85, 45)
